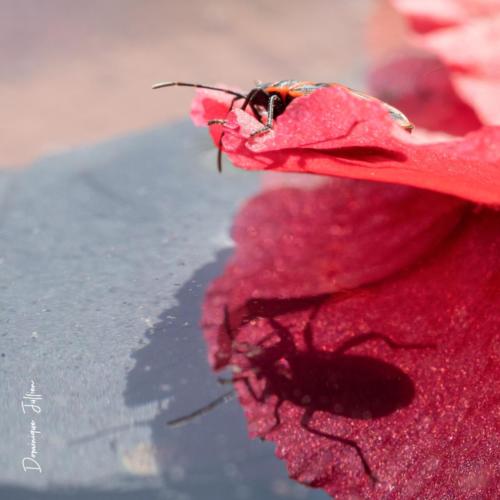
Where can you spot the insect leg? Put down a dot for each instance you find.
(219, 154)
(250, 101)
(222, 122)
(255, 111)
(305, 422)
(367, 337)
(250, 97)
(217, 121)
(270, 116)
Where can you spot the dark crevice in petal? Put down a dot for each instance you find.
(368, 154)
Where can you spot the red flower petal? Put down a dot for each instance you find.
(333, 132)
(421, 88)
(471, 50)
(429, 15)
(421, 267)
(465, 35)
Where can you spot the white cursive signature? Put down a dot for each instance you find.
(30, 402)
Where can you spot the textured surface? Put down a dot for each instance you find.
(320, 278)
(105, 255)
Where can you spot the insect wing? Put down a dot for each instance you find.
(394, 113)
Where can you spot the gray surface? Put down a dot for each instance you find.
(105, 255)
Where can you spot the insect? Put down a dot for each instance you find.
(337, 382)
(267, 101)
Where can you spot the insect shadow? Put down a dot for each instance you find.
(339, 382)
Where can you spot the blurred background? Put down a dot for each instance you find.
(73, 73)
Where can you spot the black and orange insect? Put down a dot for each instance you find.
(269, 100)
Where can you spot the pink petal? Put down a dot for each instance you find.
(421, 87)
(428, 15)
(465, 35)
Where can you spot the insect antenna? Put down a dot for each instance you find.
(228, 396)
(237, 95)
(196, 85)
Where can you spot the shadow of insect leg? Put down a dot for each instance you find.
(203, 410)
(262, 398)
(367, 337)
(277, 417)
(287, 344)
(227, 323)
(308, 330)
(224, 381)
(251, 350)
(246, 380)
(305, 422)
(227, 326)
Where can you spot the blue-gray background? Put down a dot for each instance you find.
(105, 255)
